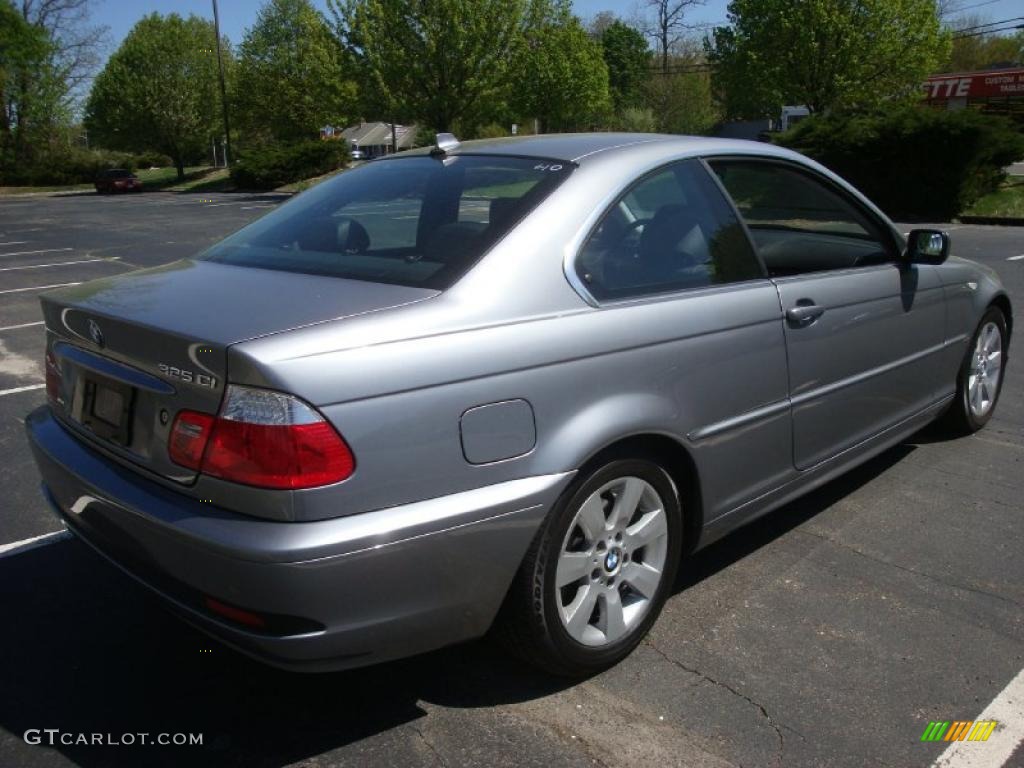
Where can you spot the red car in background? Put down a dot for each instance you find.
(117, 180)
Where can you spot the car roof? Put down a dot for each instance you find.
(577, 147)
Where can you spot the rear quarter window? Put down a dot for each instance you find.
(672, 230)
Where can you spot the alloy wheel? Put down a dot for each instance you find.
(985, 370)
(612, 561)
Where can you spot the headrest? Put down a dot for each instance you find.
(501, 211)
(352, 237)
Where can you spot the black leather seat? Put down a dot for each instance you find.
(659, 257)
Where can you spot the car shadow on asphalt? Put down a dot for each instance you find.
(86, 650)
(762, 531)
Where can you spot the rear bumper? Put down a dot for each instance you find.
(338, 593)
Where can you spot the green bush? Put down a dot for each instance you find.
(273, 166)
(152, 160)
(492, 131)
(68, 166)
(637, 120)
(912, 161)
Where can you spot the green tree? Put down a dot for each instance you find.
(822, 53)
(24, 51)
(682, 102)
(76, 44)
(290, 75)
(159, 90)
(628, 60)
(439, 61)
(600, 23)
(562, 79)
(971, 52)
(47, 49)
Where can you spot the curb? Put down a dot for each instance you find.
(51, 193)
(1001, 221)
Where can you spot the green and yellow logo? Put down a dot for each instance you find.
(959, 730)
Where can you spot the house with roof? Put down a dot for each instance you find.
(374, 139)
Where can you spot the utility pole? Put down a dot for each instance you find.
(223, 89)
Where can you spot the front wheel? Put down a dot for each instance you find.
(980, 378)
(598, 572)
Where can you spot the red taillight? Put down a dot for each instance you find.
(262, 438)
(189, 435)
(52, 378)
(272, 456)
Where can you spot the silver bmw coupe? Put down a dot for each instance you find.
(501, 384)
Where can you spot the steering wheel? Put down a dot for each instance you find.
(634, 225)
(630, 234)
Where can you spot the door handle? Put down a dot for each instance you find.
(804, 314)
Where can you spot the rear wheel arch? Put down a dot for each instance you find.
(676, 460)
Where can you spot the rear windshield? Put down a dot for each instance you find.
(417, 221)
(117, 173)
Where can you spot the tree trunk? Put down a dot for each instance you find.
(180, 165)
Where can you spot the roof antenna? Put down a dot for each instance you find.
(444, 143)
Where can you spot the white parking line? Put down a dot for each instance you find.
(252, 207)
(17, 547)
(1016, 258)
(15, 242)
(21, 325)
(29, 253)
(56, 264)
(1007, 709)
(16, 390)
(39, 287)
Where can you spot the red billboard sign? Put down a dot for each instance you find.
(974, 85)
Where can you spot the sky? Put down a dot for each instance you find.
(237, 15)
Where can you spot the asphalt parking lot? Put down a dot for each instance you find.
(827, 634)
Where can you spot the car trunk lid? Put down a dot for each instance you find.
(134, 349)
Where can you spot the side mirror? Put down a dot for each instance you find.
(927, 246)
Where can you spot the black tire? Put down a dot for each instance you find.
(960, 419)
(529, 623)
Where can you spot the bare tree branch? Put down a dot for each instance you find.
(78, 45)
(666, 24)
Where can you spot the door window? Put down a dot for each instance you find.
(672, 230)
(801, 223)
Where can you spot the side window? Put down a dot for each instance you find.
(672, 230)
(800, 223)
